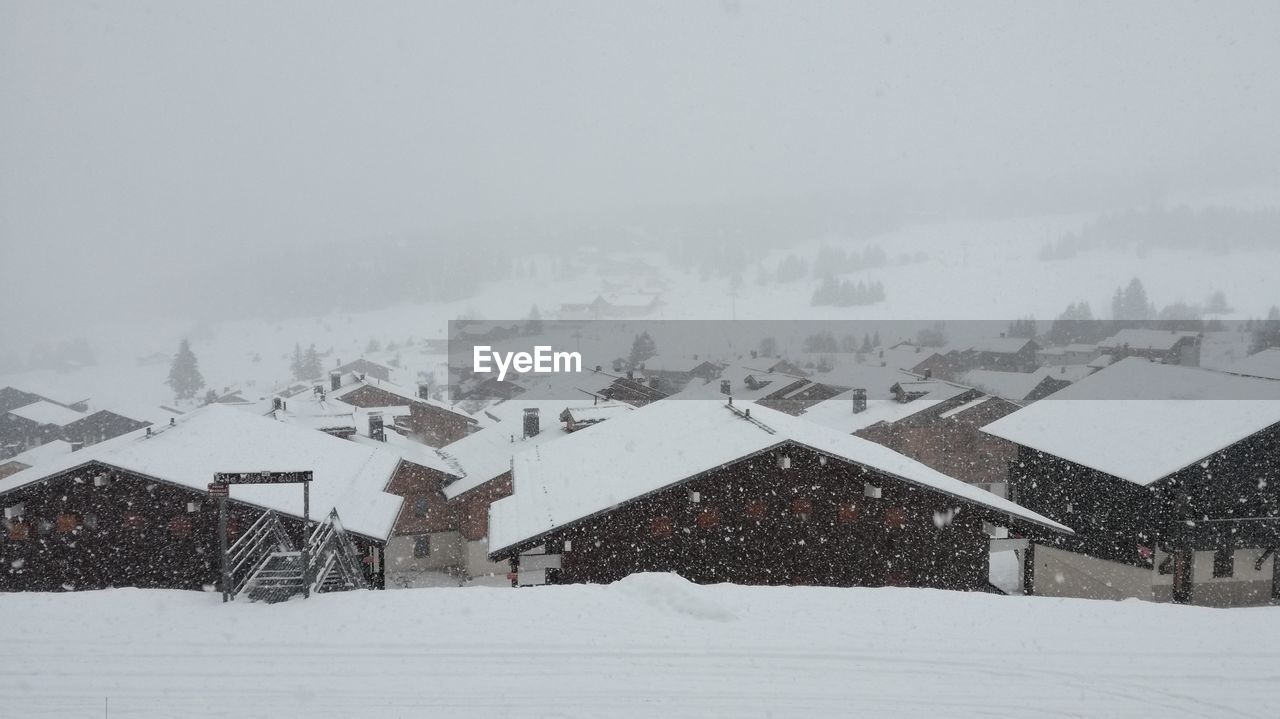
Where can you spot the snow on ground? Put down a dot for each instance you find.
(651, 645)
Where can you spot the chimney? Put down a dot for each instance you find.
(335, 381)
(928, 374)
(724, 386)
(531, 422)
(277, 404)
(377, 430)
(631, 374)
(424, 390)
(859, 401)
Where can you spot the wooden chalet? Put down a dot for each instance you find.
(947, 436)
(135, 510)
(1005, 354)
(1167, 473)
(365, 368)
(428, 421)
(444, 526)
(729, 493)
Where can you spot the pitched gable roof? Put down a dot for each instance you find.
(666, 443)
(1142, 421)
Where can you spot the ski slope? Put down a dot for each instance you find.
(651, 645)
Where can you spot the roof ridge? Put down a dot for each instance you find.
(747, 416)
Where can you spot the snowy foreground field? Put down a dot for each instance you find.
(647, 646)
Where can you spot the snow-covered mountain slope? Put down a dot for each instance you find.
(651, 645)
(954, 270)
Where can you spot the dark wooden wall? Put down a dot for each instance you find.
(134, 532)
(756, 523)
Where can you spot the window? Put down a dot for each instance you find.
(660, 527)
(709, 517)
(848, 512)
(895, 517)
(422, 546)
(180, 526)
(420, 506)
(67, 522)
(1224, 563)
(1165, 567)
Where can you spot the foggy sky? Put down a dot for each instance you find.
(141, 141)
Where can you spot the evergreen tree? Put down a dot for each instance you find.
(791, 269)
(867, 347)
(1023, 327)
(768, 347)
(296, 363)
(935, 336)
(828, 292)
(1076, 325)
(533, 325)
(1217, 304)
(184, 373)
(373, 346)
(311, 366)
(1130, 307)
(1267, 333)
(821, 342)
(642, 348)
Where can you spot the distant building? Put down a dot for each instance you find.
(1168, 346)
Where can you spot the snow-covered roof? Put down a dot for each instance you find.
(410, 397)
(955, 411)
(408, 450)
(44, 412)
(903, 357)
(1141, 420)
(1264, 364)
(1071, 348)
(1081, 348)
(837, 413)
(1140, 339)
(1066, 372)
(598, 412)
(43, 453)
(139, 411)
(1014, 386)
(1001, 345)
(665, 443)
(348, 476)
(736, 375)
(481, 456)
(1100, 361)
